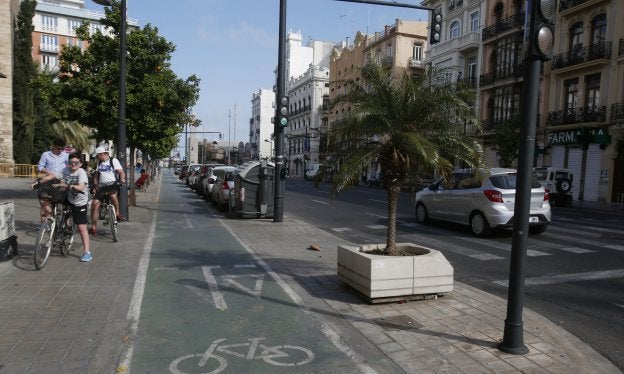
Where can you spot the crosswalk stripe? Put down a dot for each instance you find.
(444, 246)
(616, 247)
(502, 246)
(565, 278)
(576, 250)
(376, 227)
(341, 229)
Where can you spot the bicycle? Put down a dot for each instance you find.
(58, 229)
(107, 213)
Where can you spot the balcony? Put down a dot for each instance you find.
(414, 63)
(513, 71)
(580, 115)
(567, 7)
(517, 20)
(49, 48)
(463, 43)
(579, 55)
(617, 111)
(469, 81)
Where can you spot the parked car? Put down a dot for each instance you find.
(483, 200)
(192, 172)
(200, 180)
(183, 172)
(557, 182)
(220, 194)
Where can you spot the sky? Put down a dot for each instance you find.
(231, 45)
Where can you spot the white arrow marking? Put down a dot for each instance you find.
(217, 296)
(258, 287)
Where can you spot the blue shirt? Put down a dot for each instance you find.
(53, 163)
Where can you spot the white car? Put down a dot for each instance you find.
(223, 181)
(484, 201)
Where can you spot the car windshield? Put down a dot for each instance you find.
(540, 175)
(508, 181)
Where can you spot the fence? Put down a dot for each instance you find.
(18, 170)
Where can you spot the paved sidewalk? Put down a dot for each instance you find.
(72, 317)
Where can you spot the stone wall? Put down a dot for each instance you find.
(8, 10)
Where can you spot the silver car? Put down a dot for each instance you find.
(223, 183)
(483, 200)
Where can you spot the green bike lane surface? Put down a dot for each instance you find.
(205, 293)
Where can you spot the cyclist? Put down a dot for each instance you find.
(106, 179)
(52, 161)
(75, 177)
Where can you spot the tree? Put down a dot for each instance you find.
(408, 124)
(506, 142)
(157, 101)
(23, 93)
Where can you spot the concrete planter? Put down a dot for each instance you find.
(427, 272)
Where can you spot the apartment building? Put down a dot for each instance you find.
(260, 124)
(584, 124)
(55, 23)
(8, 12)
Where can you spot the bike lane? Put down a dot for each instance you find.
(209, 307)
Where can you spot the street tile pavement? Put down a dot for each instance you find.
(456, 333)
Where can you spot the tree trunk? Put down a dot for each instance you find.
(394, 191)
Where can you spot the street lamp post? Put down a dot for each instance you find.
(270, 148)
(121, 129)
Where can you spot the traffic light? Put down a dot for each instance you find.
(220, 136)
(539, 29)
(436, 26)
(282, 112)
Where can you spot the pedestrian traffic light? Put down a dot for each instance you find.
(282, 112)
(539, 29)
(436, 26)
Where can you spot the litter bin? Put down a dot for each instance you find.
(8, 239)
(253, 190)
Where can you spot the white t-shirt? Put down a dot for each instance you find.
(75, 178)
(106, 172)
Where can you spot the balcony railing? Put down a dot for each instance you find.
(569, 4)
(414, 63)
(617, 111)
(49, 47)
(513, 71)
(579, 55)
(469, 81)
(577, 115)
(503, 25)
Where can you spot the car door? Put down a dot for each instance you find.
(435, 200)
(463, 197)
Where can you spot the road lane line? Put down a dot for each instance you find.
(377, 227)
(341, 229)
(566, 278)
(616, 247)
(321, 202)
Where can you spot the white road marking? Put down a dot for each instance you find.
(258, 286)
(378, 201)
(502, 246)
(250, 265)
(167, 268)
(217, 296)
(565, 278)
(464, 251)
(341, 229)
(377, 215)
(377, 227)
(576, 250)
(188, 221)
(620, 305)
(616, 247)
(321, 202)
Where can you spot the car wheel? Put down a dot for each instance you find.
(536, 230)
(479, 225)
(563, 185)
(421, 213)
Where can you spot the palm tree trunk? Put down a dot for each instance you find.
(393, 200)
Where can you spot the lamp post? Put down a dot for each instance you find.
(121, 129)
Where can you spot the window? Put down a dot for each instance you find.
(571, 88)
(389, 50)
(576, 40)
(49, 43)
(49, 23)
(72, 25)
(599, 29)
(472, 70)
(454, 30)
(49, 61)
(592, 91)
(474, 21)
(417, 52)
(506, 103)
(74, 42)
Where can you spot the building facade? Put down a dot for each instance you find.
(585, 120)
(8, 12)
(261, 124)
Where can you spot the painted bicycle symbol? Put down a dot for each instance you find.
(210, 362)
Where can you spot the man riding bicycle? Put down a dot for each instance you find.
(106, 179)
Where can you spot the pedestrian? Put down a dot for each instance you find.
(51, 162)
(142, 180)
(108, 176)
(74, 177)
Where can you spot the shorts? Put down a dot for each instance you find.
(79, 213)
(103, 190)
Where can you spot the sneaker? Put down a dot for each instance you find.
(86, 257)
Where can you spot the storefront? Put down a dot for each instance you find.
(582, 151)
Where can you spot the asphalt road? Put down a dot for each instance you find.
(574, 271)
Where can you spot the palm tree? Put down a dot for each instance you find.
(74, 133)
(408, 124)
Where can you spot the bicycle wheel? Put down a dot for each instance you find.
(102, 211)
(112, 221)
(43, 244)
(68, 231)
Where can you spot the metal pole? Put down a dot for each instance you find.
(278, 209)
(513, 333)
(121, 135)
